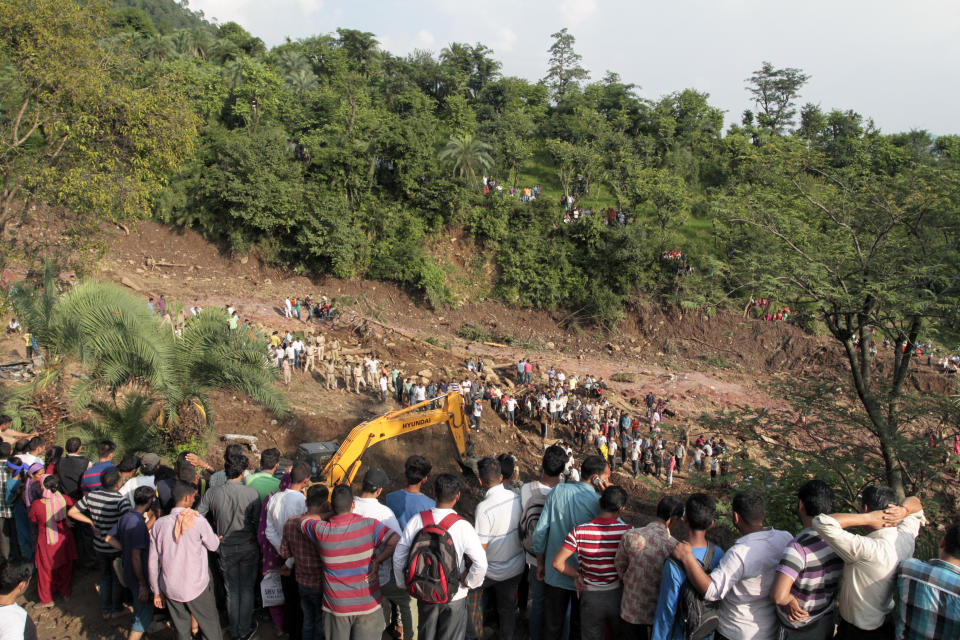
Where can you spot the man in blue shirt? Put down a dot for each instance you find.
(699, 513)
(568, 505)
(131, 536)
(91, 477)
(930, 593)
(410, 501)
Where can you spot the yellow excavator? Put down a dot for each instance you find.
(332, 463)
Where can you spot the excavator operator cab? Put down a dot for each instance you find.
(317, 455)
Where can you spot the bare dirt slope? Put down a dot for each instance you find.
(700, 364)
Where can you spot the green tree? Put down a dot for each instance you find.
(774, 93)
(466, 155)
(871, 253)
(564, 72)
(82, 125)
(123, 347)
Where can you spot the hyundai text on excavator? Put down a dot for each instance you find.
(332, 463)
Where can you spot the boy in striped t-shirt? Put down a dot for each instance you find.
(351, 548)
(595, 544)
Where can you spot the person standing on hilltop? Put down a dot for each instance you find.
(330, 375)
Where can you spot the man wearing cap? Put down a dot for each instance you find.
(148, 469)
(368, 505)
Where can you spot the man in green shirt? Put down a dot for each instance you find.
(265, 481)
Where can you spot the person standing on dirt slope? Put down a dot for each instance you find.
(568, 505)
(15, 623)
(533, 495)
(311, 363)
(396, 597)
(357, 377)
(234, 510)
(101, 509)
(384, 385)
(639, 561)
(741, 582)
(287, 308)
(330, 375)
(497, 522)
(407, 502)
(178, 568)
(448, 620)
(598, 584)
(475, 413)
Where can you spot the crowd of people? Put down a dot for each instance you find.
(202, 548)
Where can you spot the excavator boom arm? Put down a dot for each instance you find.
(345, 463)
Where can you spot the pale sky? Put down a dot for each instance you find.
(893, 60)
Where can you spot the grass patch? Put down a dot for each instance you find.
(478, 333)
(719, 362)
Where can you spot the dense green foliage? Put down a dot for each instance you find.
(330, 155)
(83, 121)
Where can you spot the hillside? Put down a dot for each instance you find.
(699, 364)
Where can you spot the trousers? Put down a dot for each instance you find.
(203, 608)
(364, 627)
(447, 621)
(394, 594)
(239, 564)
(600, 612)
(556, 603)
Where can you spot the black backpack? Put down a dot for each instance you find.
(696, 617)
(432, 573)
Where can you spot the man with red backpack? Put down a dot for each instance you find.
(431, 558)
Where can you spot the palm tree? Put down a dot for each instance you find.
(466, 154)
(292, 61)
(211, 356)
(131, 425)
(158, 47)
(301, 82)
(125, 351)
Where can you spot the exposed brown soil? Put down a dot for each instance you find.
(700, 364)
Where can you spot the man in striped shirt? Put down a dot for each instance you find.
(352, 548)
(90, 481)
(597, 580)
(930, 593)
(101, 509)
(808, 577)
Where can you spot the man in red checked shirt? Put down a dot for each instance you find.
(351, 548)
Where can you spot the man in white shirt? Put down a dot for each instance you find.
(476, 410)
(509, 404)
(871, 561)
(148, 468)
(368, 505)
(497, 520)
(533, 495)
(446, 621)
(286, 504)
(742, 580)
